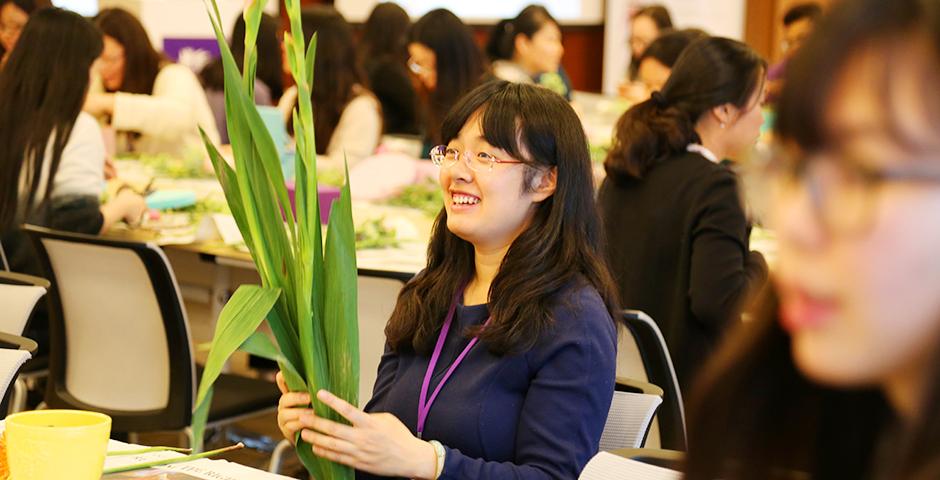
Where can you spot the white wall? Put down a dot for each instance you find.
(724, 18)
(87, 8)
(574, 12)
(182, 18)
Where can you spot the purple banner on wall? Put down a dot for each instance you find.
(195, 53)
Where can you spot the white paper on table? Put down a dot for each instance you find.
(202, 469)
(219, 226)
(607, 466)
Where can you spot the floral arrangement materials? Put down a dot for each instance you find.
(308, 292)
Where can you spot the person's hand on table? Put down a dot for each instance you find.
(131, 204)
(377, 443)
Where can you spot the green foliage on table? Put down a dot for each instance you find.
(171, 166)
(331, 177)
(204, 206)
(375, 234)
(425, 196)
(313, 314)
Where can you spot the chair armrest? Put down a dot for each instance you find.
(625, 384)
(16, 342)
(12, 278)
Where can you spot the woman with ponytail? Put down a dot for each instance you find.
(676, 229)
(525, 48)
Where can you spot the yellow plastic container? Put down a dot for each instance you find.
(57, 444)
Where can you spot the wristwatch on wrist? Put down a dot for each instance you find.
(440, 452)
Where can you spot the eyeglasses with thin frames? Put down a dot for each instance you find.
(446, 157)
(843, 191)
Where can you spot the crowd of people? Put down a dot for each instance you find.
(834, 374)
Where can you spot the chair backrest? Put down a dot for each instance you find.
(19, 294)
(642, 355)
(631, 413)
(14, 352)
(378, 293)
(120, 342)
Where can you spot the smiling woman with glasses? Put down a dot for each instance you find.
(516, 294)
(839, 376)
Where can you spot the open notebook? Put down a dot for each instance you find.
(607, 466)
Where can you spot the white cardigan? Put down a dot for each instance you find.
(168, 119)
(81, 168)
(356, 135)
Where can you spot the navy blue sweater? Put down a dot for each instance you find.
(534, 415)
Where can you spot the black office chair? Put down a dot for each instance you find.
(643, 355)
(120, 341)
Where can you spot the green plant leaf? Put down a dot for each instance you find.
(313, 316)
(340, 311)
(311, 59)
(239, 318)
(258, 344)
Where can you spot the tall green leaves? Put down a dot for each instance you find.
(309, 294)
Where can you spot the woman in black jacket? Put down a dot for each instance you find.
(676, 228)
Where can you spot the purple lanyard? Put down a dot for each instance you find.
(424, 403)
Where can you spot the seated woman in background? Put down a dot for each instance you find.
(347, 118)
(383, 52)
(51, 153)
(269, 82)
(447, 63)
(676, 228)
(523, 48)
(839, 375)
(657, 60)
(646, 25)
(13, 17)
(154, 105)
(516, 293)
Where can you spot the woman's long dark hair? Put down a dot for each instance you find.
(657, 13)
(669, 46)
(710, 72)
(269, 66)
(42, 90)
(753, 414)
(385, 34)
(142, 62)
(28, 6)
(502, 41)
(560, 248)
(460, 66)
(336, 69)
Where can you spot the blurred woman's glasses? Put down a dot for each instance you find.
(843, 191)
(446, 157)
